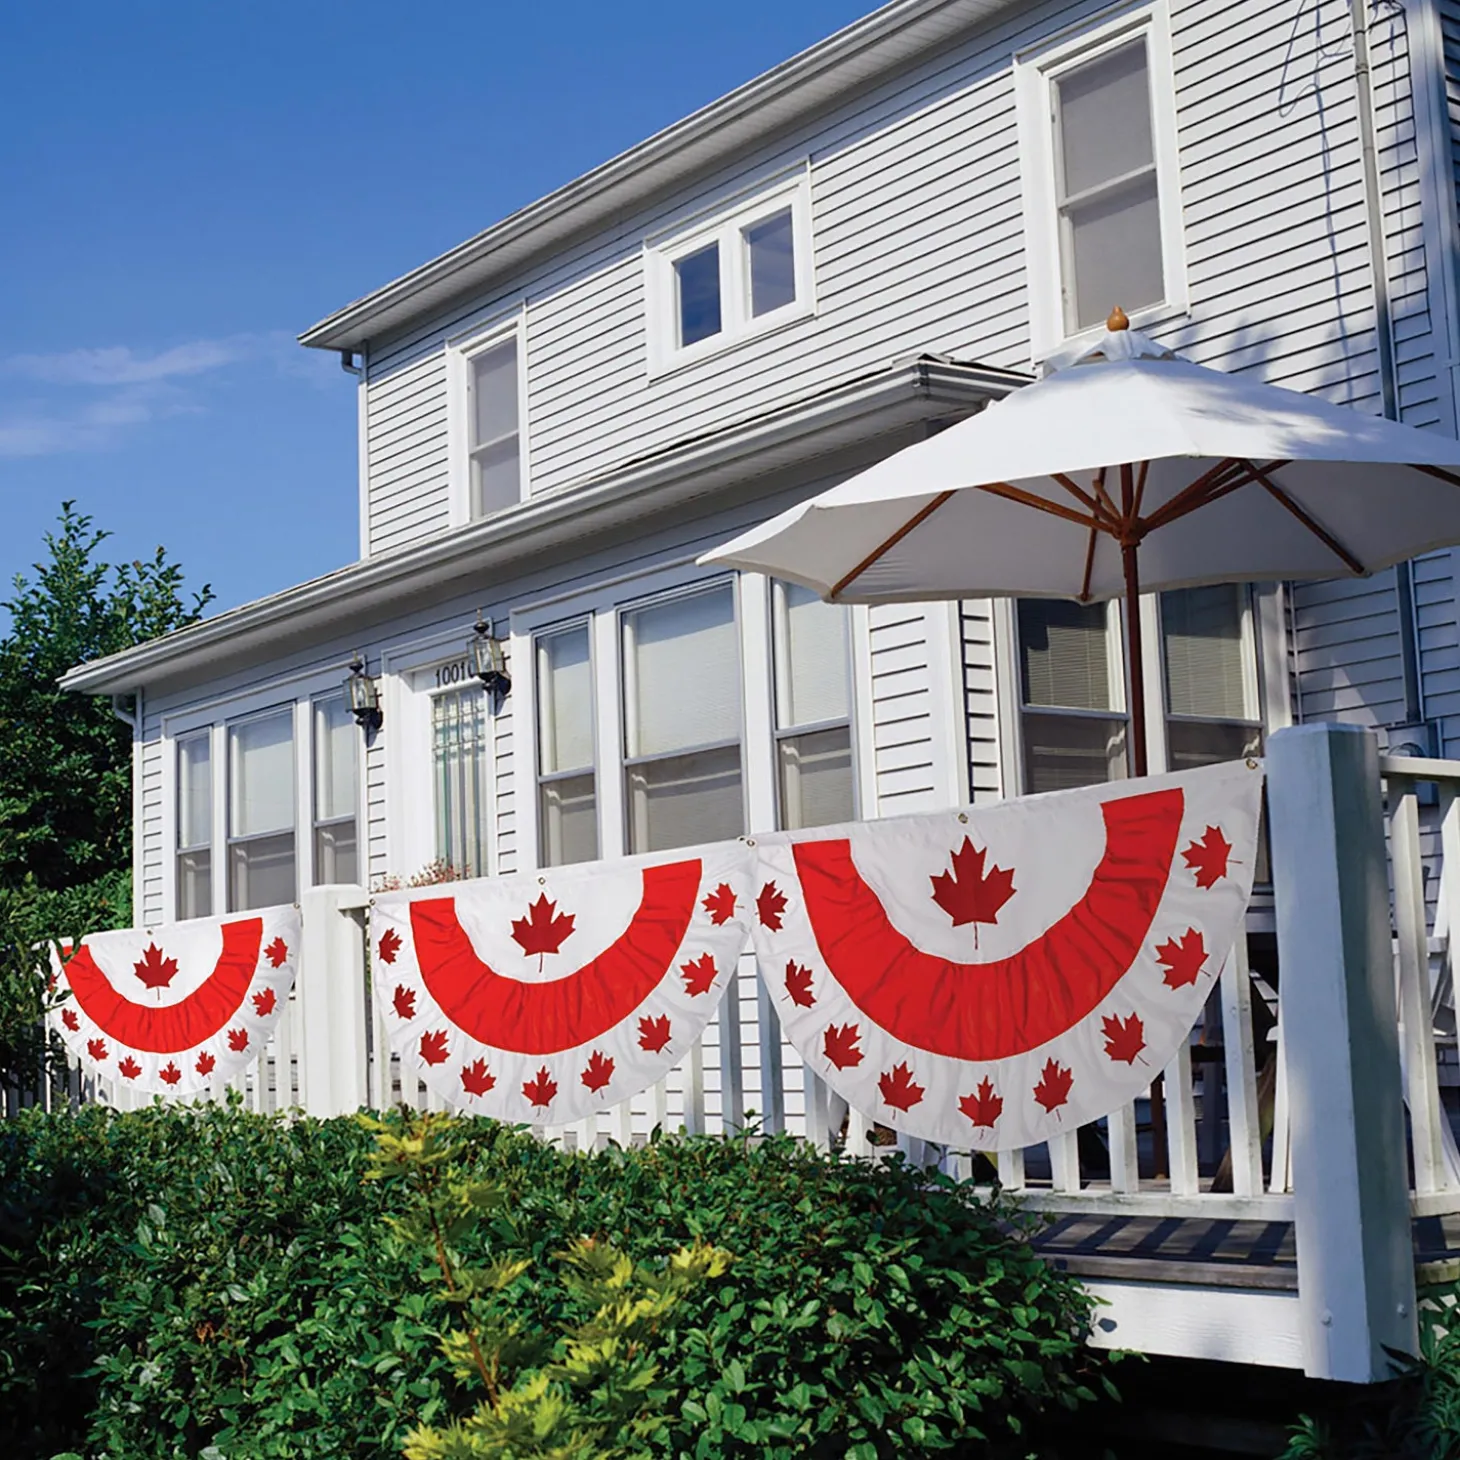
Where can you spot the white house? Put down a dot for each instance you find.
(873, 239)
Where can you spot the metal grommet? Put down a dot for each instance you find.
(542, 881)
(963, 817)
(1251, 764)
(750, 841)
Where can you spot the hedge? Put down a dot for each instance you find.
(210, 1283)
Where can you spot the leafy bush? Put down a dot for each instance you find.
(211, 1283)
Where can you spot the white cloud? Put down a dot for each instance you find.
(119, 365)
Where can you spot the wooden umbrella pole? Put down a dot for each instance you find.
(1135, 657)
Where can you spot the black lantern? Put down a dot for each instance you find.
(364, 696)
(488, 658)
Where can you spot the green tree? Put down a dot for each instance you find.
(66, 775)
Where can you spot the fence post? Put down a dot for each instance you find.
(1341, 1042)
(331, 975)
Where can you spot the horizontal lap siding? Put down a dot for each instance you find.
(903, 738)
(406, 448)
(147, 896)
(1450, 28)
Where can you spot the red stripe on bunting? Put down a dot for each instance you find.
(543, 1018)
(989, 1011)
(174, 1027)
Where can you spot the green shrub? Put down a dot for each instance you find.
(217, 1284)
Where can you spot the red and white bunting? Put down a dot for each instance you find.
(994, 977)
(172, 1009)
(548, 996)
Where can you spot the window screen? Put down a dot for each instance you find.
(336, 739)
(496, 474)
(567, 803)
(261, 801)
(195, 825)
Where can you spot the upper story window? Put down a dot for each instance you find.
(336, 840)
(566, 778)
(261, 802)
(742, 272)
(195, 825)
(813, 701)
(682, 720)
(487, 423)
(1101, 185)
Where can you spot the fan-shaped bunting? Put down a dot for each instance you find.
(993, 977)
(171, 1009)
(548, 996)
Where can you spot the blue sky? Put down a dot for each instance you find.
(186, 186)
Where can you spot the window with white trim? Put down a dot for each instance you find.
(1072, 706)
(813, 704)
(1101, 184)
(740, 273)
(1207, 647)
(460, 766)
(261, 805)
(336, 769)
(682, 720)
(494, 448)
(195, 824)
(566, 779)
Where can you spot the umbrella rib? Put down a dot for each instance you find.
(889, 543)
(1440, 473)
(1210, 487)
(1320, 532)
(1041, 504)
(1078, 492)
(1089, 565)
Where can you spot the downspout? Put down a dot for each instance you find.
(133, 719)
(1384, 343)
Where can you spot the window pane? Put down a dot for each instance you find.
(335, 739)
(569, 821)
(1105, 119)
(195, 884)
(772, 249)
(1201, 630)
(459, 775)
(194, 793)
(1192, 743)
(697, 277)
(682, 672)
(494, 393)
(1064, 751)
(261, 776)
(816, 779)
(685, 799)
(813, 664)
(261, 872)
(1064, 653)
(496, 477)
(335, 853)
(564, 701)
(1114, 248)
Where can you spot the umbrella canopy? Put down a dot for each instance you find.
(1130, 469)
(1214, 477)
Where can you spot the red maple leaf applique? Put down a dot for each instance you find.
(389, 945)
(1053, 1089)
(169, 1073)
(598, 1073)
(1182, 958)
(898, 1089)
(541, 1089)
(238, 1040)
(155, 971)
(967, 893)
(798, 984)
(69, 1019)
(433, 1047)
(769, 906)
(1207, 857)
(205, 1063)
(654, 1033)
(840, 1045)
(277, 952)
(264, 1002)
(699, 975)
(96, 1048)
(474, 1078)
(404, 1001)
(129, 1068)
(720, 904)
(541, 931)
(983, 1107)
(1124, 1038)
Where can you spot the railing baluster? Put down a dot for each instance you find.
(1416, 1020)
(693, 1068)
(1281, 1178)
(732, 1065)
(1244, 1128)
(1064, 1161)
(1181, 1124)
(1120, 1131)
(1011, 1170)
(772, 1071)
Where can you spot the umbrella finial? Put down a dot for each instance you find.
(1118, 319)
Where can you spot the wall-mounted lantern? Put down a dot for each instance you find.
(364, 696)
(488, 658)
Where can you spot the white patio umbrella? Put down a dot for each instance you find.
(1130, 469)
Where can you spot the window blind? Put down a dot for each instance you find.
(564, 701)
(194, 791)
(335, 739)
(1064, 653)
(1202, 633)
(261, 775)
(682, 673)
(813, 669)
